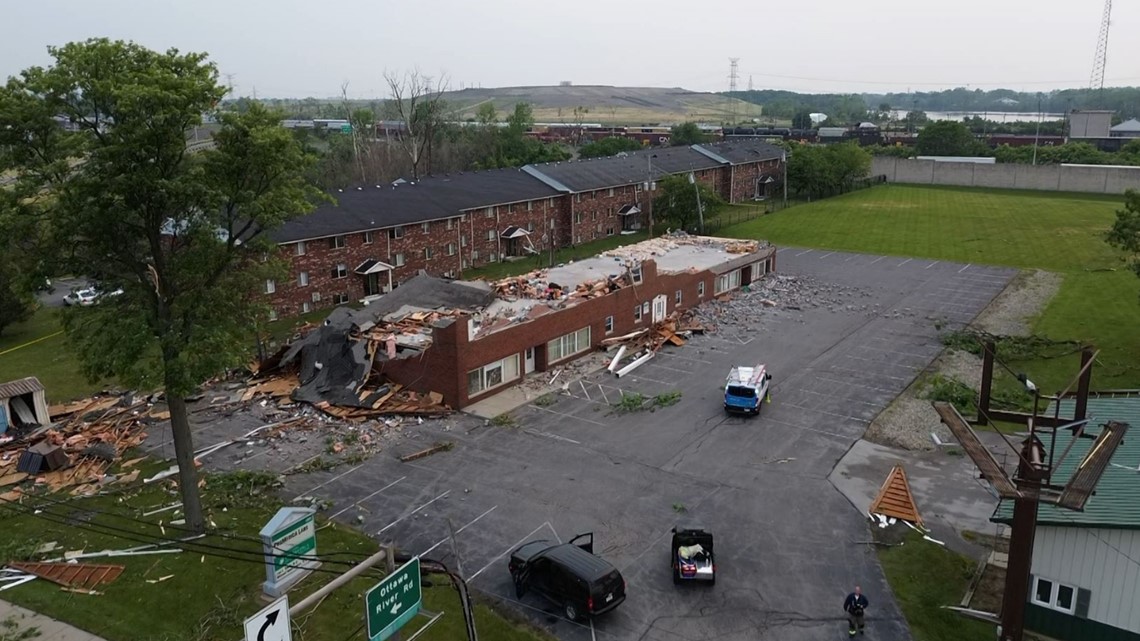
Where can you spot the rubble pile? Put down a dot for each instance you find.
(777, 292)
(647, 249)
(75, 450)
(638, 347)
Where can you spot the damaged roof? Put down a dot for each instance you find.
(22, 386)
(424, 291)
(744, 150)
(623, 169)
(404, 203)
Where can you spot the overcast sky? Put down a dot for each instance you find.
(288, 48)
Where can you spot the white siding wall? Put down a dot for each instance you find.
(1076, 556)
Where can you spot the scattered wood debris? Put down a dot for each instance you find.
(82, 576)
(638, 347)
(434, 449)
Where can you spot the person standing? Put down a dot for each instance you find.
(854, 606)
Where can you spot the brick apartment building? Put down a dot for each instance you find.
(475, 341)
(376, 237)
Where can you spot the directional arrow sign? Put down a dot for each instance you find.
(271, 624)
(394, 601)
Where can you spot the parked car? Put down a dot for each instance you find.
(88, 296)
(568, 575)
(691, 555)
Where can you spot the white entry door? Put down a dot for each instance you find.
(528, 360)
(659, 306)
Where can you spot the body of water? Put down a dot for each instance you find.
(996, 116)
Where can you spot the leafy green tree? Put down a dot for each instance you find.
(608, 147)
(946, 138)
(802, 120)
(687, 133)
(183, 234)
(1125, 232)
(16, 303)
(818, 171)
(677, 204)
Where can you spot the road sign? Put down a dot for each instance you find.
(271, 624)
(394, 601)
(290, 543)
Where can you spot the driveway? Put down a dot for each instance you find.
(786, 537)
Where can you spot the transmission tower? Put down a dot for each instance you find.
(732, 77)
(750, 83)
(1096, 81)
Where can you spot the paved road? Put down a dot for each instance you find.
(60, 288)
(785, 535)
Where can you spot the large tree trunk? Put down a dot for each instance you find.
(187, 472)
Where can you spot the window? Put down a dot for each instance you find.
(529, 205)
(637, 313)
(428, 253)
(550, 203)
(609, 324)
(493, 375)
(340, 271)
(490, 212)
(568, 345)
(726, 282)
(1055, 596)
(426, 227)
(645, 307)
(368, 238)
(609, 231)
(490, 234)
(451, 249)
(492, 257)
(336, 242)
(306, 308)
(530, 225)
(466, 263)
(463, 240)
(474, 254)
(635, 274)
(398, 260)
(677, 297)
(611, 212)
(700, 289)
(594, 215)
(577, 217)
(316, 297)
(273, 314)
(303, 279)
(611, 192)
(270, 286)
(299, 248)
(396, 232)
(341, 298)
(450, 223)
(578, 197)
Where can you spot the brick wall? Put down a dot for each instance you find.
(444, 366)
(595, 213)
(744, 179)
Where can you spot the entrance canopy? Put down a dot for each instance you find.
(372, 266)
(629, 210)
(514, 232)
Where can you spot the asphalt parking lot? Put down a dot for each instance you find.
(787, 548)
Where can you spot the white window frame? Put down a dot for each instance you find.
(340, 298)
(299, 249)
(493, 257)
(637, 313)
(700, 289)
(727, 282)
(397, 260)
(487, 379)
(635, 274)
(677, 297)
(609, 324)
(341, 271)
(1054, 593)
(316, 297)
(491, 235)
(462, 240)
(396, 232)
(272, 314)
(529, 205)
(337, 242)
(568, 345)
(270, 286)
(451, 249)
(303, 279)
(450, 223)
(306, 308)
(611, 192)
(428, 253)
(490, 212)
(368, 238)
(426, 227)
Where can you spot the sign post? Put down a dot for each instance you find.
(394, 601)
(271, 624)
(290, 543)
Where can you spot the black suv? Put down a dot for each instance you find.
(569, 575)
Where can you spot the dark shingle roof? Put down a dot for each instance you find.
(632, 167)
(1116, 503)
(372, 207)
(744, 150)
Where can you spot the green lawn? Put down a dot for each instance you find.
(924, 577)
(1057, 232)
(38, 348)
(205, 596)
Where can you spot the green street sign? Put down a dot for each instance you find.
(346, 129)
(290, 544)
(394, 601)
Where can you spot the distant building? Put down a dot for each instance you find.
(1126, 129)
(979, 160)
(1090, 123)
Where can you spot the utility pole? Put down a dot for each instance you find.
(1037, 136)
(784, 162)
(650, 187)
(700, 208)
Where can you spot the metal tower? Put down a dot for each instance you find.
(732, 76)
(1096, 81)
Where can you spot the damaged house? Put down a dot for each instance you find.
(454, 343)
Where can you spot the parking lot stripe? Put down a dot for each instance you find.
(505, 552)
(583, 384)
(553, 436)
(469, 524)
(357, 503)
(805, 252)
(964, 268)
(904, 262)
(338, 476)
(603, 391)
(876, 260)
(931, 265)
(545, 409)
(826, 255)
(385, 528)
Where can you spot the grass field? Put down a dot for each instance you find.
(1064, 233)
(204, 595)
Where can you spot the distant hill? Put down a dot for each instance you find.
(606, 105)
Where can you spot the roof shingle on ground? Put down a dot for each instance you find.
(1116, 503)
(433, 198)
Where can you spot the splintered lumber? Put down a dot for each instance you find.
(438, 447)
(638, 362)
(617, 358)
(81, 576)
(895, 498)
